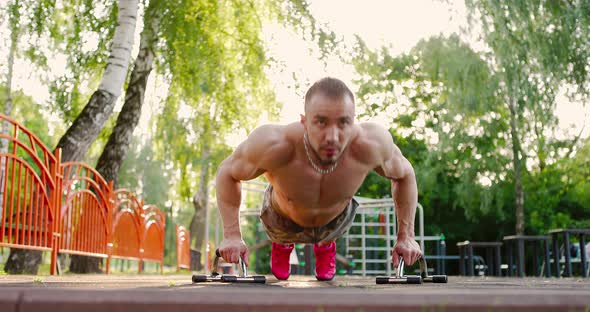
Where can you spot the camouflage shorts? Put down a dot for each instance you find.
(284, 231)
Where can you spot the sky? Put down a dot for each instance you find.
(399, 24)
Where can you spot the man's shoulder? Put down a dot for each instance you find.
(374, 134)
(373, 129)
(271, 143)
(371, 141)
(274, 133)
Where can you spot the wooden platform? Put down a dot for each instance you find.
(146, 293)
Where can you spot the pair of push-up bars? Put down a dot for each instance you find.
(399, 277)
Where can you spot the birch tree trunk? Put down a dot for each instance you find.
(89, 123)
(200, 204)
(78, 138)
(117, 146)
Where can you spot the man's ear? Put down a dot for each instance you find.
(302, 119)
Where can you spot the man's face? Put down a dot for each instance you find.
(329, 125)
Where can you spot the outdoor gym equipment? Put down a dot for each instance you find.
(400, 278)
(216, 277)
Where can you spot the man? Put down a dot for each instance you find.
(314, 167)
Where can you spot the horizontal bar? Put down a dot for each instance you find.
(370, 248)
(527, 237)
(370, 224)
(383, 261)
(83, 253)
(362, 207)
(250, 212)
(369, 272)
(259, 190)
(255, 182)
(125, 258)
(366, 236)
(570, 231)
(25, 247)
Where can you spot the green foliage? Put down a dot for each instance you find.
(446, 106)
(538, 48)
(33, 116)
(67, 30)
(213, 56)
(456, 133)
(552, 34)
(561, 196)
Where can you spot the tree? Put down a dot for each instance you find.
(90, 121)
(536, 46)
(554, 33)
(487, 118)
(114, 152)
(116, 148)
(440, 98)
(13, 25)
(216, 62)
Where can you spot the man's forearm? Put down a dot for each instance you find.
(405, 196)
(229, 195)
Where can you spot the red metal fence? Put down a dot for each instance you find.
(30, 183)
(85, 212)
(127, 228)
(152, 240)
(69, 208)
(183, 245)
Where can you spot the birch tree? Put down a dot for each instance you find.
(89, 123)
(212, 54)
(536, 46)
(120, 138)
(116, 148)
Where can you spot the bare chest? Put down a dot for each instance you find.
(300, 186)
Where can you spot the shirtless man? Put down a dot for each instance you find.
(314, 167)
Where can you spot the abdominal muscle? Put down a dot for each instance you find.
(307, 213)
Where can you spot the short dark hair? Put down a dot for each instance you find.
(330, 87)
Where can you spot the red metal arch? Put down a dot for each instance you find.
(38, 190)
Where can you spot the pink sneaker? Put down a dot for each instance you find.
(325, 261)
(279, 259)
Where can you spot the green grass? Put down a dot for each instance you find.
(38, 279)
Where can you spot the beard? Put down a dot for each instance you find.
(331, 160)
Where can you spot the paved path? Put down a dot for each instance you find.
(146, 293)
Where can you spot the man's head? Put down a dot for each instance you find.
(329, 118)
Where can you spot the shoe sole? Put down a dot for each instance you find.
(325, 279)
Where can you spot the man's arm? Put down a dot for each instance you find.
(261, 151)
(404, 191)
